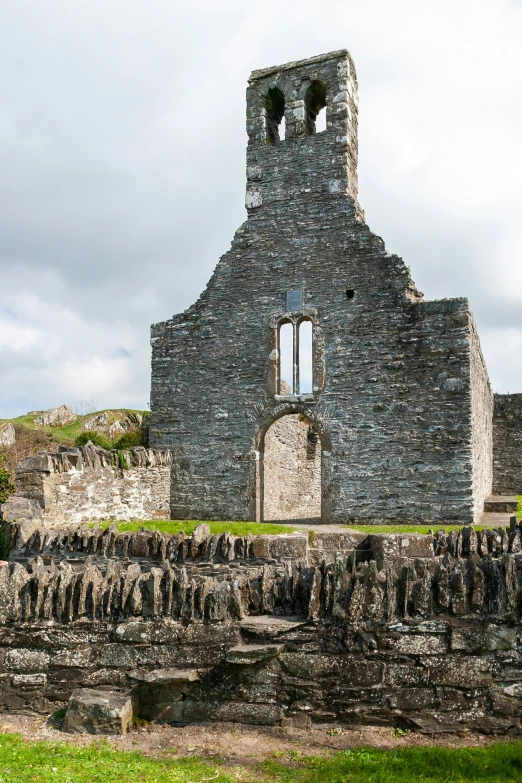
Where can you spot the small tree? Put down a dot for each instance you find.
(6, 485)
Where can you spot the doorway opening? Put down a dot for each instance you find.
(291, 470)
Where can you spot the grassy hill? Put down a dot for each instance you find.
(32, 438)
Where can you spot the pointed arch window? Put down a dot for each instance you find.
(295, 352)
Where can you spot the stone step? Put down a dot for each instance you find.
(500, 504)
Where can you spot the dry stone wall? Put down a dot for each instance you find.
(422, 632)
(507, 444)
(89, 483)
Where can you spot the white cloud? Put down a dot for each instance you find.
(122, 145)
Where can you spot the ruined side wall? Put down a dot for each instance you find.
(481, 425)
(77, 485)
(507, 444)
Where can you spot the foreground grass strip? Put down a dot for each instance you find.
(498, 763)
(424, 529)
(62, 763)
(21, 762)
(519, 508)
(187, 526)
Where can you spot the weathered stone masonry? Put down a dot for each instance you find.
(417, 631)
(507, 445)
(76, 485)
(400, 400)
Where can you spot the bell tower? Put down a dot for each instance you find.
(305, 163)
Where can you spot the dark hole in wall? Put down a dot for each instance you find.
(315, 101)
(350, 293)
(311, 444)
(275, 111)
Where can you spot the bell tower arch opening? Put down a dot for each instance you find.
(291, 468)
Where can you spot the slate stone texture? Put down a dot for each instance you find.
(77, 485)
(401, 400)
(507, 449)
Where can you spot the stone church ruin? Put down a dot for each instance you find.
(311, 381)
(308, 315)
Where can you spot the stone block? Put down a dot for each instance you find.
(283, 547)
(118, 655)
(308, 666)
(360, 671)
(140, 544)
(347, 669)
(98, 712)
(80, 657)
(406, 675)
(141, 632)
(489, 638)
(416, 644)
(250, 654)
(460, 671)
(236, 712)
(261, 547)
(180, 656)
(390, 549)
(27, 660)
(269, 626)
(29, 680)
(38, 463)
(112, 677)
(210, 634)
(413, 699)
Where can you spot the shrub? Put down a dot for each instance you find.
(6, 485)
(129, 439)
(98, 438)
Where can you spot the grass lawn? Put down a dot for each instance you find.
(260, 528)
(402, 528)
(65, 763)
(519, 509)
(187, 526)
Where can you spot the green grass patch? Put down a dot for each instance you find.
(519, 508)
(187, 526)
(21, 762)
(425, 529)
(62, 763)
(496, 763)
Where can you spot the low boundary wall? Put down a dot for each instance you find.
(89, 483)
(423, 632)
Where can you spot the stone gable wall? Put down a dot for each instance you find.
(507, 444)
(393, 386)
(77, 485)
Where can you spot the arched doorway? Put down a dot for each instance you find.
(291, 469)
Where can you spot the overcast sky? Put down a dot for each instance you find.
(122, 149)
